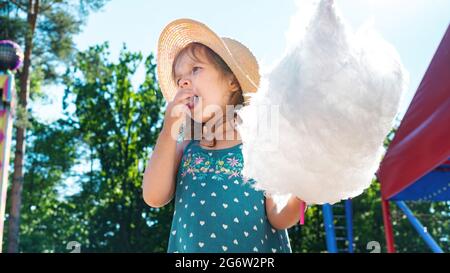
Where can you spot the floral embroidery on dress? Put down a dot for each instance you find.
(200, 164)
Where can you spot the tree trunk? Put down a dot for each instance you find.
(16, 189)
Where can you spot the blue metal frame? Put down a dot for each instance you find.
(349, 223)
(419, 227)
(329, 228)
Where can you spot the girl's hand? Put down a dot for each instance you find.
(285, 217)
(177, 109)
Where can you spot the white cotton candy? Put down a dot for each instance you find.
(316, 126)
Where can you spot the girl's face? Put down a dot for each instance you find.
(213, 90)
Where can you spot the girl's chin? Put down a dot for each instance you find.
(198, 118)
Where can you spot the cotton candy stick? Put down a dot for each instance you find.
(302, 213)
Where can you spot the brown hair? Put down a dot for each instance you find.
(213, 58)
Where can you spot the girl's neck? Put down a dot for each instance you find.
(224, 135)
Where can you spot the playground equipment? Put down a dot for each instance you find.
(416, 166)
(11, 58)
(339, 236)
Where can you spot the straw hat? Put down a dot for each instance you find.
(179, 33)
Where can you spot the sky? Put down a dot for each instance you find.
(413, 27)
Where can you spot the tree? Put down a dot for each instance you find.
(47, 219)
(118, 125)
(46, 27)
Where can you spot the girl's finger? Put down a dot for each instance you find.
(183, 97)
(184, 92)
(185, 101)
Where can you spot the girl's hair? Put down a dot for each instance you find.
(193, 50)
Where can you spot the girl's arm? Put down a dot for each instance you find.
(287, 217)
(158, 185)
(159, 177)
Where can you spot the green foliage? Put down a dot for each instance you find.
(119, 125)
(111, 130)
(57, 24)
(433, 215)
(309, 237)
(51, 155)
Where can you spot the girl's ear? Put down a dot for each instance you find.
(234, 84)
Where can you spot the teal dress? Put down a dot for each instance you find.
(217, 210)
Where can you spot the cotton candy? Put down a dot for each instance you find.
(316, 126)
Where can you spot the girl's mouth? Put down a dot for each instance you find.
(194, 100)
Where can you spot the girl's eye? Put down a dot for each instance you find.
(195, 69)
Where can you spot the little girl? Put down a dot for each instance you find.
(216, 209)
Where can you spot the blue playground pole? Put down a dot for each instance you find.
(349, 223)
(329, 228)
(419, 228)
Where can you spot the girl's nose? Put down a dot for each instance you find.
(185, 83)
